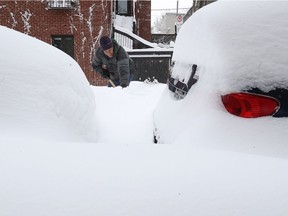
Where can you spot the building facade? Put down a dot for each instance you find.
(75, 26)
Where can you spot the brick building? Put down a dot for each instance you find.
(75, 26)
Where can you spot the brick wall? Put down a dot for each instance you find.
(143, 19)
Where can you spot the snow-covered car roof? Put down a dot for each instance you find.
(236, 45)
(43, 90)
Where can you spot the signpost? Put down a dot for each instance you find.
(179, 22)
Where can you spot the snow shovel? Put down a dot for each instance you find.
(112, 83)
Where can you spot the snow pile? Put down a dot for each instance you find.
(84, 179)
(127, 114)
(43, 91)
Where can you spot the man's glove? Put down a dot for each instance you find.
(123, 85)
(105, 74)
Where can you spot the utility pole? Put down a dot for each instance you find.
(177, 6)
(176, 27)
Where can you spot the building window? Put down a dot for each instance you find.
(64, 43)
(123, 7)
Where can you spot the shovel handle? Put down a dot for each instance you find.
(112, 83)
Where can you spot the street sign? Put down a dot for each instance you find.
(180, 19)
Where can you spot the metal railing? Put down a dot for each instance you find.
(123, 40)
(135, 42)
(61, 4)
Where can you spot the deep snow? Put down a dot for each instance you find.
(67, 148)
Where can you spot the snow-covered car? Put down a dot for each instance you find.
(229, 79)
(43, 91)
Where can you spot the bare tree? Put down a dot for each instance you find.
(157, 24)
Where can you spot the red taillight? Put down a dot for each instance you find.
(249, 105)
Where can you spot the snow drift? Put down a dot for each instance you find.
(47, 95)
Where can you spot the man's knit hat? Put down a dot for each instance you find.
(106, 43)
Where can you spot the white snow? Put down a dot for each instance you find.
(251, 43)
(125, 22)
(70, 149)
(153, 45)
(43, 90)
(25, 19)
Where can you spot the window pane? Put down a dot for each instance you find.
(122, 6)
(64, 43)
(69, 46)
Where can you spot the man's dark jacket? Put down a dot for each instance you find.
(120, 66)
